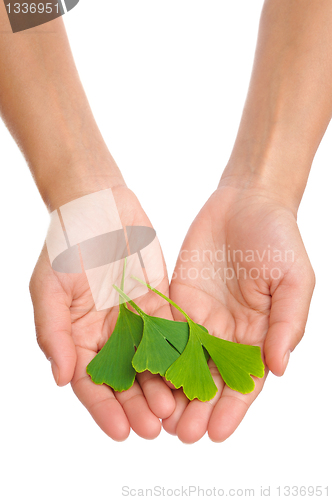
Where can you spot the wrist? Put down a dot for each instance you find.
(249, 183)
(276, 172)
(72, 176)
(70, 165)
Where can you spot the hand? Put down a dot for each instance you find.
(71, 331)
(263, 303)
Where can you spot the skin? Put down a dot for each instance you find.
(56, 131)
(263, 311)
(71, 332)
(255, 205)
(288, 108)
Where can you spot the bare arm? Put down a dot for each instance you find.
(289, 103)
(44, 106)
(288, 108)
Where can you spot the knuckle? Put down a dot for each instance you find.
(41, 340)
(313, 278)
(32, 285)
(299, 331)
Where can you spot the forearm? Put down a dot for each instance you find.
(289, 103)
(44, 105)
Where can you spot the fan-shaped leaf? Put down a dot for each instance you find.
(235, 362)
(162, 342)
(191, 372)
(113, 364)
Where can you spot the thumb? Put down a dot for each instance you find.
(288, 317)
(53, 327)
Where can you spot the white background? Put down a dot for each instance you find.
(167, 82)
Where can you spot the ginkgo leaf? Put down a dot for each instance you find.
(176, 332)
(162, 342)
(235, 362)
(113, 363)
(191, 372)
(154, 353)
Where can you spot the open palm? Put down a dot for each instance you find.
(244, 274)
(71, 331)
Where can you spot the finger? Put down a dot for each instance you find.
(288, 317)
(140, 417)
(230, 410)
(99, 400)
(194, 421)
(181, 402)
(53, 327)
(158, 395)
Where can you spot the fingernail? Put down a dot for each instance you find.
(55, 371)
(286, 359)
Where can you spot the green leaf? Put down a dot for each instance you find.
(191, 372)
(154, 353)
(162, 343)
(176, 332)
(235, 362)
(113, 364)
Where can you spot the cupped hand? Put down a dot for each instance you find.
(244, 274)
(70, 331)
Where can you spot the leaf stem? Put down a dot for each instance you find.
(170, 301)
(123, 274)
(127, 299)
(122, 281)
